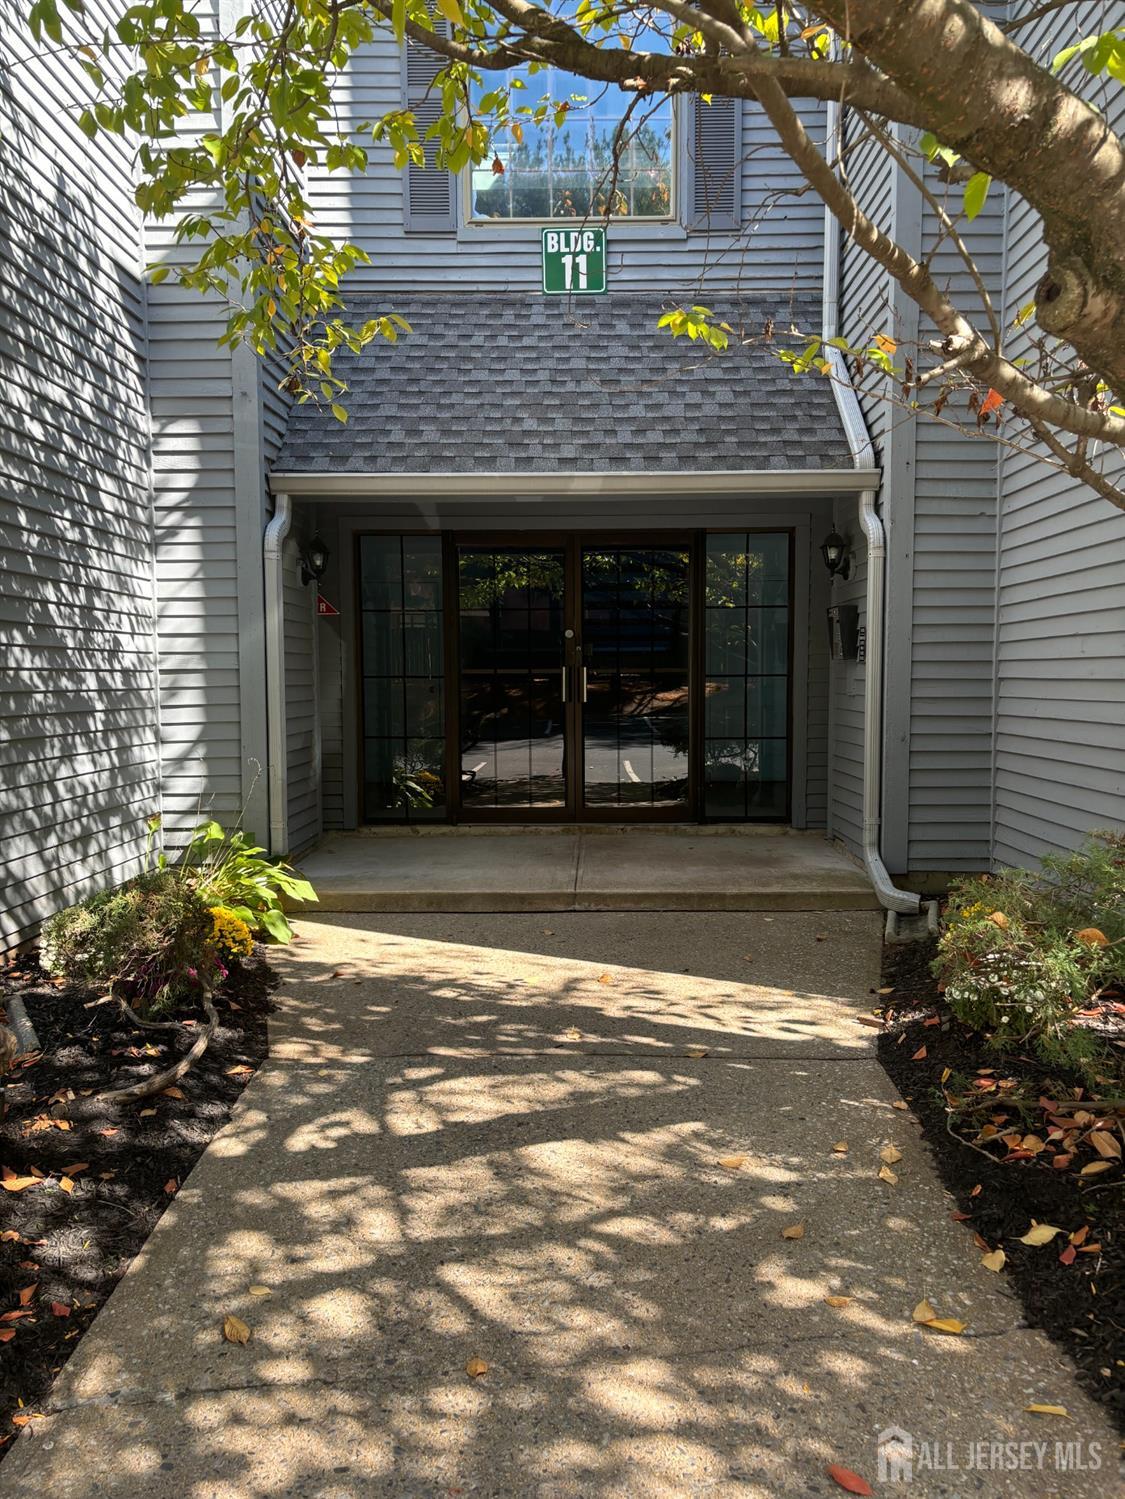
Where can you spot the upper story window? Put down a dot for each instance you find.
(593, 157)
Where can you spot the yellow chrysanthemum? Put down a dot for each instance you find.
(230, 934)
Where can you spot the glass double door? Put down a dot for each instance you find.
(574, 678)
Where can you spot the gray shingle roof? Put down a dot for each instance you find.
(532, 384)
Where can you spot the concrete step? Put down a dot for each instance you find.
(688, 869)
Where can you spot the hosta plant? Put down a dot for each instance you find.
(230, 871)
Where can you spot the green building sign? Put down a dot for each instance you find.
(573, 261)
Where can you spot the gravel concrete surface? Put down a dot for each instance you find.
(566, 1146)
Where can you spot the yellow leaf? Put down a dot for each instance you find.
(1091, 1170)
(573, 1034)
(451, 11)
(898, 1103)
(260, 1291)
(890, 1155)
(793, 1231)
(695, 1051)
(732, 1162)
(838, 1301)
(66, 1184)
(1048, 1410)
(994, 1261)
(1039, 1233)
(605, 978)
(172, 1092)
(887, 345)
(475, 1368)
(235, 1330)
(945, 1324)
(840, 1147)
(946, 1074)
(888, 1176)
(998, 918)
(1032, 1143)
(923, 1312)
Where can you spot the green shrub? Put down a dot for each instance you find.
(228, 870)
(1024, 950)
(151, 942)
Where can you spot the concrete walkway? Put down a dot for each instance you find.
(500, 1139)
(599, 868)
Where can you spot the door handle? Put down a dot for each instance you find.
(565, 675)
(585, 683)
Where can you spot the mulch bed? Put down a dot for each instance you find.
(1080, 1304)
(106, 1176)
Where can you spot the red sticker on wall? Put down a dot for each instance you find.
(324, 607)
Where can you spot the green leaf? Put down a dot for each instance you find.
(976, 191)
(339, 412)
(276, 925)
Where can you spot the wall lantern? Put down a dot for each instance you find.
(314, 560)
(834, 550)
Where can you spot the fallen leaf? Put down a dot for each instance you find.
(959, 1217)
(235, 1330)
(19, 1183)
(946, 1324)
(923, 1312)
(889, 989)
(573, 1034)
(898, 1104)
(873, 1020)
(1105, 1144)
(475, 1368)
(1033, 1144)
(890, 1155)
(1048, 1410)
(9, 1236)
(1068, 1256)
(919, 1055)
(27, 1293)
(15, 1315)
(998, 919)
(976, 1190)
(732, 1162)
(171, 1186)
(603, 978)
(1080, 1235)
(240, 1071)
(60, 1308)
(695, 1051)
(838, 1301)
(840, 1147)
(7, 1335)
(793, 1231)
(260, 1291)
(65, 1184)
(76, 1168)
(1092, 1169)
(172, 1092)
(1092, 937)
(994, 1261)
(1039, 1233)
(146, 1113)
(109, 1131)
(887, 1175)
(848, 1480)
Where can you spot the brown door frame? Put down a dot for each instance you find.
(572, 544)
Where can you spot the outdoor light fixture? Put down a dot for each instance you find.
(314, 561)
(834, 550)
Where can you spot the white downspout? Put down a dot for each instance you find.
(890, 896)
(273, 549)
(893, 900)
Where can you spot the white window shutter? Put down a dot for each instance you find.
(713, 186)
(429, 195)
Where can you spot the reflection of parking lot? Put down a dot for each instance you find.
(623, 762)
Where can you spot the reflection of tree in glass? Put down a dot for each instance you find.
(568, 173)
